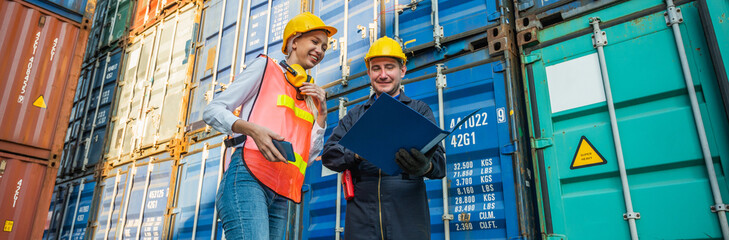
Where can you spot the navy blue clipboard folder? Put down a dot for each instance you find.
(389, 125)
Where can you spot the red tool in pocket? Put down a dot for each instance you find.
(348, 185)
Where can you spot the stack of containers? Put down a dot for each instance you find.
(85, 138)
(137, 178)
(460, 58)
(43, 44)
(628, 107)
(232, 33)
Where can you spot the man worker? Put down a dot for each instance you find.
(384, 206)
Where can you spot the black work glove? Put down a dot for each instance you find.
(414, 162)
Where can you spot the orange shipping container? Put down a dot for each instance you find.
(39, 68)
(25, 194)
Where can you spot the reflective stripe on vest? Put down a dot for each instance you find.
(277, 109)
(286, 101)
(300, 163)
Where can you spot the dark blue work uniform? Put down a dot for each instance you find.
(384, 207)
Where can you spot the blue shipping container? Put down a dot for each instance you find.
(134, 199)
(200, 173)
(85, 142)
(487, 191)
(70, 209)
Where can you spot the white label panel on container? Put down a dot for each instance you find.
(575, 83)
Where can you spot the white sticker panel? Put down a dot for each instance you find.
(575, 83)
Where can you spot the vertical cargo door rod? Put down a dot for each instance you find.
(599, 39)
(673, 18)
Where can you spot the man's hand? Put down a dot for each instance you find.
(414, 162)
(263, 138)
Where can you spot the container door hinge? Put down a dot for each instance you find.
(719, 208)
(540, 143)
(509, 149)
(173, 211)
(531, 58)
(631, 215)
(494, 16)
(556, 237)
(525, 4)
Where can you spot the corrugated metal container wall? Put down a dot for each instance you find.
(43, 45)
(153, 102)
(74, 10)
(624, 56)
(488, 192)
(145, 13)
(110, 24)
(40, 69)
(216, 66)
(199, 173)
(70, 209)
(87, 132)
(26, 186)
(222, 22)
(134, 199)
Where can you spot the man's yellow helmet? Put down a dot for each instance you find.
(385, 47)
(302, 23)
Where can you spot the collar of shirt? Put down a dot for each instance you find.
(402, 97)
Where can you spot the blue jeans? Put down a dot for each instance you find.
(249, 210)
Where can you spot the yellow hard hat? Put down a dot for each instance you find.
(302, 23)
(385, 47)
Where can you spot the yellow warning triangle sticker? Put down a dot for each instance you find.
(40, 102)
(586, 155)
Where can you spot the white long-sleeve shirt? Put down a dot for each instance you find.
(244, 89)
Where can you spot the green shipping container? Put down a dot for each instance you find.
(581, 195)
(110, 25)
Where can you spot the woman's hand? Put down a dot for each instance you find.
(320, 100)
(263, 138)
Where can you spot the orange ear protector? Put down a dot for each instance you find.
(296, 74)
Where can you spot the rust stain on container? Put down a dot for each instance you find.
(25, 186)
(42, 54)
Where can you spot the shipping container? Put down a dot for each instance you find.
(74, 10)
(148, 13)
(133, 199)
(87, 132)
(623, 146)
(26, 186)
(40, 70)
(222, 23)
(109, 27)
(488, 190)
(200, 172)
(43, 44)
(70, 209)
(151, 107)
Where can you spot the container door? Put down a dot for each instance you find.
(582, 196)
(197, 188)
(25, 189)
(110, 204)
(77, 210)
(144, 214)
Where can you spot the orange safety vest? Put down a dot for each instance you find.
(277, 108)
